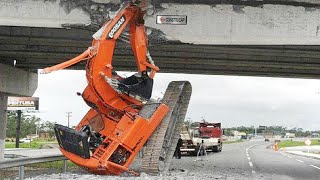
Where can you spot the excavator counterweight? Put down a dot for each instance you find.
(122, 117)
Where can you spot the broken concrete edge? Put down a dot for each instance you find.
(252, 3)
(304, 154)
(102, 10)
(99, 11)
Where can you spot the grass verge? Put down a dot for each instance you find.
(289, 143)
(53, 164)
(32, 145)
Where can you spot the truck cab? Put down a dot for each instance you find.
(206, 136)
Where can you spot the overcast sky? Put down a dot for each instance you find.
(231, 100)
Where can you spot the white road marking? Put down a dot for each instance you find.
(248, 156)
(286, 155)
(315, 166)
(299, 160)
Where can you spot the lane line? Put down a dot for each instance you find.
(299, 160)
(249, 158)
(286, 155)
(315, 166)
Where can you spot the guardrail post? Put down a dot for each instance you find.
(21, 172)
(65, 166)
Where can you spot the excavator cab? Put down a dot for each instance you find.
(137, 85)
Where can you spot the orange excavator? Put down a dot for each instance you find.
(123, 118)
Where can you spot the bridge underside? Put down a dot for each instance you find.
(35, 48)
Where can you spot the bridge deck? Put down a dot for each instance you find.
(35, 48)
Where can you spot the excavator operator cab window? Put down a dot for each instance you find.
(137, 84)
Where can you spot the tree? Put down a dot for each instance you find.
(227, 131)
(29, 125)
(11, 124)
(48, 127)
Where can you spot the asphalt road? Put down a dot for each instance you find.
(246, 160)
(250, 160)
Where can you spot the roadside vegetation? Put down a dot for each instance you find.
(30, 126)
(289, 143)
(278, 130)
(35, 144)
(54, 164)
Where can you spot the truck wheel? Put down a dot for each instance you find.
(217, 148)
(195, 152)
(214, 148)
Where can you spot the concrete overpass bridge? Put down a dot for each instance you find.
(276, 38)
(32, 48)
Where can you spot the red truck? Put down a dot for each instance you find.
(207, 134)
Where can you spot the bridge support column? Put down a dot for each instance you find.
(13, 82)
(3, 123)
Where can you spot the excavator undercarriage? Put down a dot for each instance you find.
(123, 118)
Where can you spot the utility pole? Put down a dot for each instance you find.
(19, 112)
(68, 116)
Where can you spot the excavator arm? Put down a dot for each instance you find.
(108, 35)
(122, 116)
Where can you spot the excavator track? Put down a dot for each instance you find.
(162, 143)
